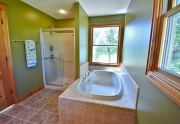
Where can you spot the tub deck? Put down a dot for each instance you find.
(124, 102)
(86, 110)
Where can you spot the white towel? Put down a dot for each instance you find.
(30, 50)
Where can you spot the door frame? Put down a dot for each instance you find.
(3, 7)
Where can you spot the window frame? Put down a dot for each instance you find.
(165, 80)
(120, 43)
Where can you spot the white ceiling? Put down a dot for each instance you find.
(104, 7)
(92, 7)
(51, 7)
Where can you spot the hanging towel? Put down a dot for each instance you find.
(30, 50)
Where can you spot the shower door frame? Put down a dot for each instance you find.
(42, 54)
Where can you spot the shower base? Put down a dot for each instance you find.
(60, 84)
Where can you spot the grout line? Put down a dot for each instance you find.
(27, 107)
(38, 110)
(46, 118)
(43, 107)
(14, 117)
(17, 114)
(49, 114)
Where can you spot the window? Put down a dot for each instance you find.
(105, 44)
(163, 65)
(177, 2)
(170, 59)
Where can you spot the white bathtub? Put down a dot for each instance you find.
(101, 85)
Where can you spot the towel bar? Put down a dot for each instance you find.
(22, 41)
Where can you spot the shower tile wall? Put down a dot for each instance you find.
(67, 41)
(84, 69)
(52, 39)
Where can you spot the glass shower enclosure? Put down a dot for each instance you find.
(57, 56)
(52, 58)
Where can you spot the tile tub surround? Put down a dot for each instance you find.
(79, 112)
(108, 68)
(130, 85)
(78, 109)
(40, 108)
(84, 69)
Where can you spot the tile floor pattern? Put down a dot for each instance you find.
(40, 108)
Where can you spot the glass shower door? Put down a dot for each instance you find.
(52, 59)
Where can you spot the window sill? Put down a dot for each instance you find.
(163, 83)
(104, 64)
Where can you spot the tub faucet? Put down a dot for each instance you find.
(89, 73)
(83, 79)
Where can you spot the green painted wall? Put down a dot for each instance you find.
(107, 19)
(65, 23)
(24, 23)
(77, 39)
(83, 35)
(81, 39)
(154, 107)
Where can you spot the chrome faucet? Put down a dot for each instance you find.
(89, 73)
(85, 76)
(83, 79)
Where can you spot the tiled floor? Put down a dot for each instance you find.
(40, 108)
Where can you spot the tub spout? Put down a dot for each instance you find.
(83, 79)
(89, 73)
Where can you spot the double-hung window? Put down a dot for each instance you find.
(163, 66)
(105, 44)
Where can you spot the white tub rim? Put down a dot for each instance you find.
(103, 97)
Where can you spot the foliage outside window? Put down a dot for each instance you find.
(177, 2)
(163, 65)
(105, 44)
(171, 48)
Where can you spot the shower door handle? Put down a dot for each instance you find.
(53, 58)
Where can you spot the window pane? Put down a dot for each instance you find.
(105, 54)
(165, 6)
(177, 2)
(105, 36)
(171, 50)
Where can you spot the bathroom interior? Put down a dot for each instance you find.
(90, 62)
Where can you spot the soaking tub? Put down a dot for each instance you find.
(100, 85)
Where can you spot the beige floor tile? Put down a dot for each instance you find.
(15, 110)
(28, 102)
(27, 122)
(39, 117)
(4, 118)
(39, 104)
(55, 99)
(26, 114)
(38, 95)
(56, 111)
(52, 119)
(42, 107)
(46, 90)
(16, 121)
(49, 97)
(57, 92)
(50, 106)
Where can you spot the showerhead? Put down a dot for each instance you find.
(50, 26)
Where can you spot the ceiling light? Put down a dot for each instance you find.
(62, 11)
